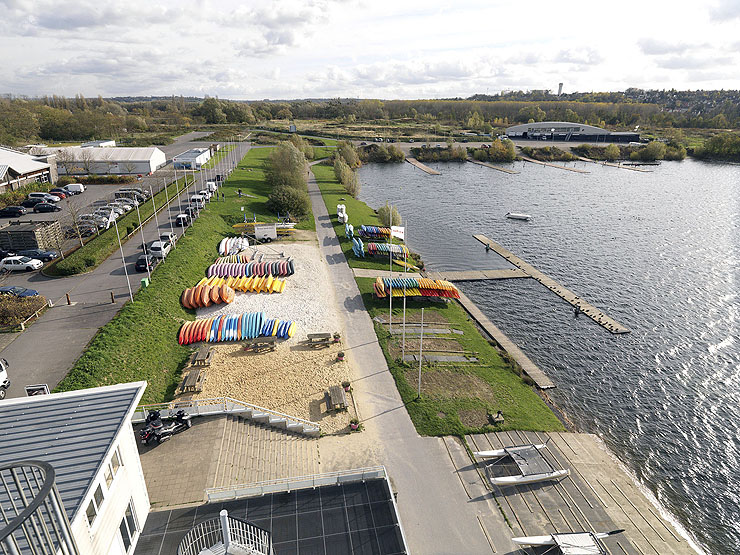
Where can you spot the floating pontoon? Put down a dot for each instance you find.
(575, 543)
(533, 467)
(518, 216)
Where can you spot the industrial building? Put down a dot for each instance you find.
(104, 143)
(566, 131)
(18, 169)
(76, 160)
(192, 159)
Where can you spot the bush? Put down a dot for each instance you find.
(14, 310)
(286, 166)
(549, 154)
(13, 198)
(71, 266)
(348, 152)
(388, 215)
(289, 199)
(303, 146)
(448, 154)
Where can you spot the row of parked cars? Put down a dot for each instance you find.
(43, 202)
(126, 199)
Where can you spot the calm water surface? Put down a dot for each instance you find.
(656, 251)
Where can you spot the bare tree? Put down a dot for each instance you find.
(129, 166)
(66, 160)
(74, 214)
(87, 159)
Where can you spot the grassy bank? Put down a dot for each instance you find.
(140, 343)
(359, 214)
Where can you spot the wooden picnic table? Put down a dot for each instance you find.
(203, 356)
(335, 398)
(261, 344)
(193, 382)
(318, 340)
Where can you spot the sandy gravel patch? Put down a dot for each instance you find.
(308, 298)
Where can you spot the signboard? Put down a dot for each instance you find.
(265, 231)
(397, 231)
(38, 389)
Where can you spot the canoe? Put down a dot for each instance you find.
(495, 453)
(528, 479)
(215, 294)
(537, 541)
(518, 216)
(205, 297)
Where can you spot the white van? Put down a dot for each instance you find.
(160, 249)
(211, 186)
(199, 201)
(74, 188)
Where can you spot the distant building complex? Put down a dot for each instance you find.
(18, 169)
(566, 131)
(192, 159)
(78, 160)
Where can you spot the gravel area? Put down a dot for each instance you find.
(291, 380)
(308, 298)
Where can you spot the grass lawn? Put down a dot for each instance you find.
(456, 397)
(140, 343)
(359, 214)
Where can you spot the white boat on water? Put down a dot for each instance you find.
(571, 542)
(518, 216)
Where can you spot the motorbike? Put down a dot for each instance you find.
(156, 430)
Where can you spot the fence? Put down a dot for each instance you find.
(226, 530)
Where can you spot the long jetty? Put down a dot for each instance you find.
(550, 165)
(477, 275)
(497, 168)
(613, 165)
(422, 167)
(580, 304)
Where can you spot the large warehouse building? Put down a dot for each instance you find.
(75, 160)
(566, 131)
(17, 169)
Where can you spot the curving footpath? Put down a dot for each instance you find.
(437, 515)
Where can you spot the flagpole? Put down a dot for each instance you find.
(421, 340)
(123, 259)
(390, 270)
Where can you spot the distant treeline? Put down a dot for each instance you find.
(725, 146)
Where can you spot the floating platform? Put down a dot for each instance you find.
(585, 308)
(497, 168)
(551, 165)
(613, 165)
(422, 167)
(478, 275)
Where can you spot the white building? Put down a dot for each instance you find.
(17, 169)
(192, 159)
(104, 143)
(75, 160)
(88, 439)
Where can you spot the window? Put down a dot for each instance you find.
(112, 469)
(128, 527)
(94, 507)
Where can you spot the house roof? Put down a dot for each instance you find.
(106, 154)
(20, 163)
(72, 431)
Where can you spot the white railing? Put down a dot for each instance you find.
(228, 405)
(226, 530)
(226, 493)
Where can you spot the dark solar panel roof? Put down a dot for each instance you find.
(72, 431)
(356, 518)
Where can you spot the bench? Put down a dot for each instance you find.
(261, 344)
(203, 356)
(193, 382)
(319, 340)
(335, 398)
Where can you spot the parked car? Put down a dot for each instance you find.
(182, 220)
(168, 237)
(44, 197)
(191, 211)
(205, 193)
(5, 254)
(40, 254)
(18, 291)
(144, 262)
(46, 207)
(119, 210)
(160, 249)
(133, 203)
(198, 200)
(20, 264)
(30, 202)
(122, 205)
(59, 192)
(4, 381)
(74, 188)
(13, 211)
(93, 219)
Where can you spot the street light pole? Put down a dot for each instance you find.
(123, 260)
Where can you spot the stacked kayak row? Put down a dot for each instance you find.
(241, 258)
(377, 249)
(204, 294)
(415, 287)
(255, 284)
(231, 245)
(279, 268)
(358, 248)
(234, 327)
(374, 232)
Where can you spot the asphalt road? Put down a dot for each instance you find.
(46, 351)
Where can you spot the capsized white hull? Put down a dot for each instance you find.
(531, 479)
(519, 216)
(496, 453)
(549, 540)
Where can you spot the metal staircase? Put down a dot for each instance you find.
(226, 535)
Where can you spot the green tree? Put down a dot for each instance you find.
(286, 166)
(611, 152)
(210, 110)
(388, 215)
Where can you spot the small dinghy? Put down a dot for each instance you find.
(571, 543)
(518, 216)
(533, 467)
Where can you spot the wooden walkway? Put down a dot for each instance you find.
(529, 367)
(597, 496)
(551, 165)
(486, 164)
(422, 167)
(367, 273)
(613, 165)
(478, 275)
(591, 311)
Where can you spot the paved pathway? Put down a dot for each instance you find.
(46, 351)
(437, 515)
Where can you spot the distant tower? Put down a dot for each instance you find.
(560, 89)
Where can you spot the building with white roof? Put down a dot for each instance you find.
(105, 143)
(192, 159)
(17, 169)
(76, 160)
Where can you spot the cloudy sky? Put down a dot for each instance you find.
(288, 49)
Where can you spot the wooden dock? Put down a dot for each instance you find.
(487, 165)
(598, 494)
(613, 165)
(367, 273)
(529, 367)
(551, 165)
(422, 167)
(478, 275)
(591, 311)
